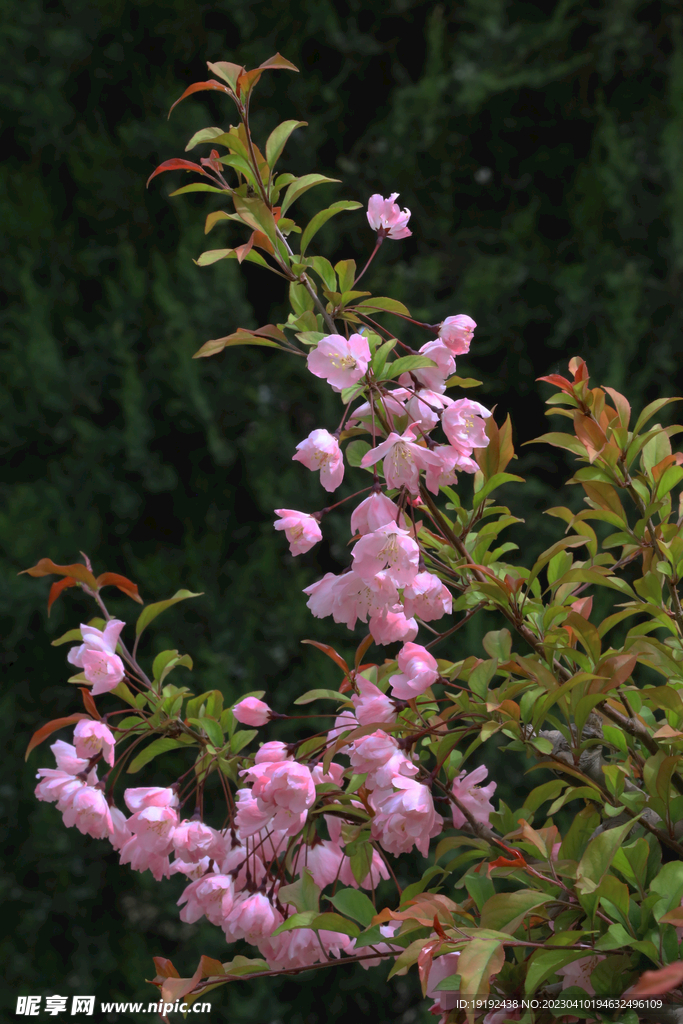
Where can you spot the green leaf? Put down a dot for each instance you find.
(544, 963)
(479, 959)
(323, 269)
(304, 919)
(355, 451)
(159, 746)
(346, 269)
(152, 610)
(598, 856)
(335, 923)
(650, 410)
(198, 186)
(463, 382)
(71, 635)
(302, 894)
(380, 357)
(505, 911)
(241, 738)
(256, 215)
(381, 303)
(166, 662)
(480, 888)
(301, 185)
(311, 695)
(354, 904)
(213, 256)
(278, 139)
(204, 135)
(321, 218)
(404, 365)
(241, 965)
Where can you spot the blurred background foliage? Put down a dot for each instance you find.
(539, 148)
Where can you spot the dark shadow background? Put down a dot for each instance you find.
(539, 147)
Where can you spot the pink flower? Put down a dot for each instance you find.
(375, 511)
(473, 796)
(391, 625)
(321, 451)
(427, 597)
(389, 548)
(89, 812)
(403, 459)
(67, 759)
(251, 816)
(154, 827)
(282, 790)
(139, 798)
(378, 870)
(342, 723)
(371, 704)
(301, 530)
(252, 917)
(392, 404)
(425, 408)
(92, 737)
(463, 424)
(302, 947)
(443, 967)
(418, 672)
(406, 818)
(369, 753)
(432, 377)
(324, 861)
(339, 361)
(142, 858)
(57, 787)
(456, 332)
(120, 833)
(385, 217)
(388, 931)
(579, 973)
(348, 597)
(97, 656)
(274, 750)
(251, 711)
(212, 896)
(193, 840)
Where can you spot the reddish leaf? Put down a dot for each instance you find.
(583, 607)
(50, 727)
(243, 250)
(656, 983)
(558, 381)
(178, 165)
(426, 955)
(89, 704)
(46, 567)
(362, 650)
(247, 81)
(56, 589)
(112, 579)
(578, 368)
(505, 862)
(330, 652)
(165, 968)
(198, 87)
(278, 61)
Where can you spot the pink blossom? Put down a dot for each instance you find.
(89, 812)
(456, 332)
(321, 451)
(391, 625)
(378, 870)
(92, 737)
(193, 872)
(67, 758)
(371, 704)
(370, 752)
(342, 723)
(427, 597)
(406, 818)
(251, 816)
(383, 777)
(375, 511)
(301, 530)
(443, 967)
(251, 711)
(97, 656)
(323, 860)
(463, 424)
(391, 403)
(403, 459)
(385, 217)
(139, 798)
(211, 896)
(339, 361)
(193, 840)
(142, 858)
(334, 774)
(579, 973)
(252, 917)
(285, 784)
(431, 377)
(388, 931)
(474, 797)
(425, 408)
(57, 787)
(390, 548)
(348, 597)
(418, 672)
(274, 750)
(120, 832)
(154, 827)
(302, 947)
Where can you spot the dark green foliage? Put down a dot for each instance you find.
(540, 152)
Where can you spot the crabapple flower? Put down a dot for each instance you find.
(153, 827)
(427, 597)
(418, 672)
(193, 840)
(378, 870)
(474, 797)
(57, 787)
(301, 530)
(431, 377)
(406, 818)
(443, 967)
(92, 737)
(273, 750)
(68, 759)
(392, 404)
(89, 812)
(389, 548)
(373, 512)
(370, 753)
(252, 917)
(321, 451)
(463, 424)
(98, 658)
(251, 711)
(456, 332)
(403, 459)
(282, 791)
(137, 799)
(141, 858)
(340, 361)
(390, 626)
(348, 597)
(324, 861)
(302, 947)
(211, 896)
(425, 408)
(120, 832)
(385, 217)
(371, 704)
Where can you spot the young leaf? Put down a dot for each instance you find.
(301, 185)
(152, 610)
(278, 139)
(321, 218)
(404, 365)
(50, 727)
(155, 748)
